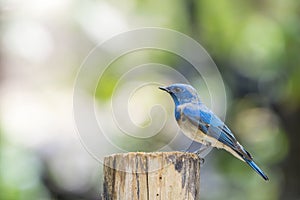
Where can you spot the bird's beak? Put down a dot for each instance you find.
(165, 89)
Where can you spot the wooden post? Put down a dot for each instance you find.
(147, 176)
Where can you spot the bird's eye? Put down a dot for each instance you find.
(177, 90)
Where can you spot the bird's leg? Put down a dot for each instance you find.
(198, 153)
(202, 152)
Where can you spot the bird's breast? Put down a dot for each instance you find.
(192, 131)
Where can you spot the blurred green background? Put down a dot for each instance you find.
(255, 45)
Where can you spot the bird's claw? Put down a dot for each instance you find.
(202, 160)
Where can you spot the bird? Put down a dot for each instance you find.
(200, 124)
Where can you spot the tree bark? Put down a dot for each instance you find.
(161, 175)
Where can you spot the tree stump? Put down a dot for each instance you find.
(160, 175)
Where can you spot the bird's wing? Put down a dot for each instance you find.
(213, 126)
(209, 123)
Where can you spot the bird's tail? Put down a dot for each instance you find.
(246, 156)
(252, 164)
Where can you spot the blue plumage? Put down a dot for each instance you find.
(202, 125)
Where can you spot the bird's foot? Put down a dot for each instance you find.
(202, 160)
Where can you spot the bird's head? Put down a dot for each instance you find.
(182, 93)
